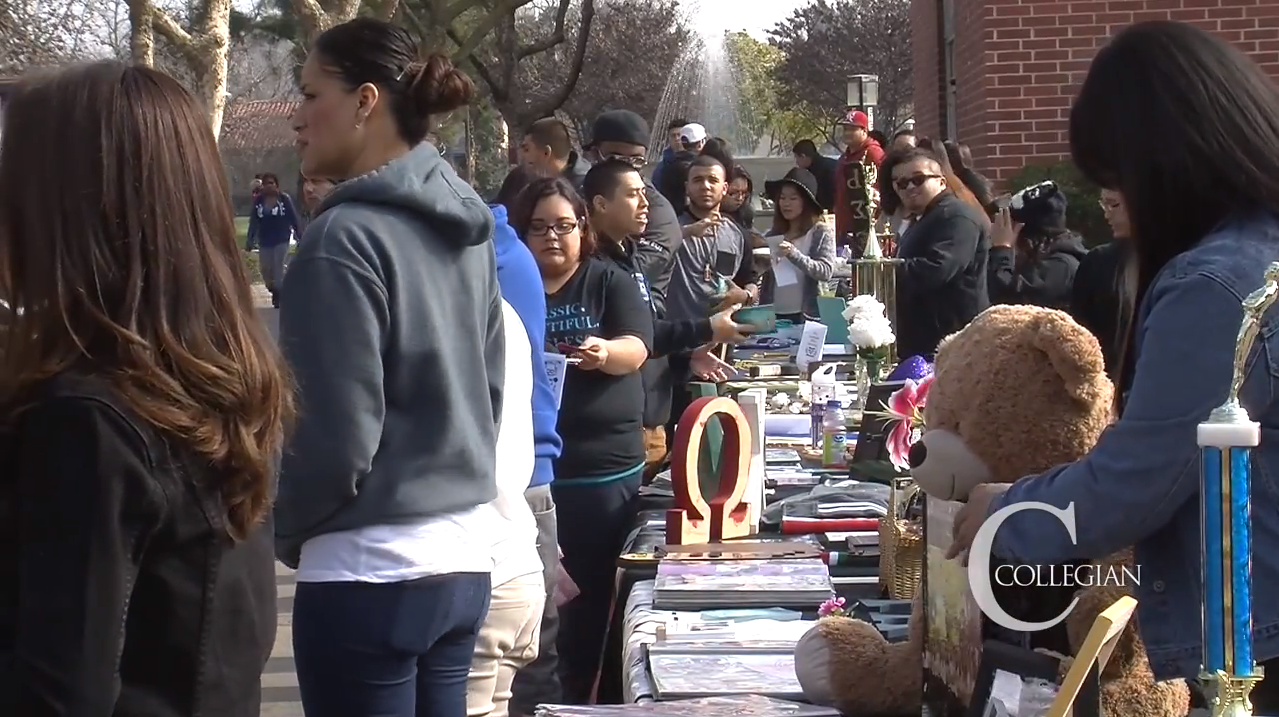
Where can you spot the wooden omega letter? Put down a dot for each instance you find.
(695, 519)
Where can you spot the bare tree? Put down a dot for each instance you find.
(35, 33)
(825, 42)
(261, 67)
(499, 43)
(633, 45)
(202, 46)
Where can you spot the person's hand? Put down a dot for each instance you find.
(593, 353)
(735, 296)
(707, 366)
(724, 330)
(785, 248)
(702, 226)
(1004, 231)
(970, 518)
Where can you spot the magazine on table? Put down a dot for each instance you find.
(734, 706)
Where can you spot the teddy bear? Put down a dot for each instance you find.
(1017, 391)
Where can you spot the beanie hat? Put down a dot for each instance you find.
(622, 126)
(1041, 208)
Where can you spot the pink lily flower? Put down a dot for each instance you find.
(906, 411)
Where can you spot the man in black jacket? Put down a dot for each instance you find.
(822, 168)
(941, 282)
(623, 135)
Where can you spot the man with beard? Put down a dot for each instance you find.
(710, 256)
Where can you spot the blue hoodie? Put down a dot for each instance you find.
(521, 285)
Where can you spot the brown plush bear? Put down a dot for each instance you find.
(1017, 391)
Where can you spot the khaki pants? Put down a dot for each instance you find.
(654, 451)
(507, 641)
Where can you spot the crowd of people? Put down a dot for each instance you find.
(467, 394)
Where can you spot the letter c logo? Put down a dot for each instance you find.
(979, 565)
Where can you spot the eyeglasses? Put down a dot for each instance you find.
(737, 195)
(559, 230)
(915, 180)
(1108, 207)
(636, 162)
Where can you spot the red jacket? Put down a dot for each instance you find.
(852, 216)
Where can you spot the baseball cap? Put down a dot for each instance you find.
(623, 126)
(692, 133)
(855, 118)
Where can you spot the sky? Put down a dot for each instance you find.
(756, 17)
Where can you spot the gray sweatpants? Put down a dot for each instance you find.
(271, 262)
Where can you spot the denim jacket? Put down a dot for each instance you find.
(1139, 486)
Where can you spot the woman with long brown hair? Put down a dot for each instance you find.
(142, 404)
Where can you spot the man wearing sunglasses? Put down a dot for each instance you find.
(941, 282)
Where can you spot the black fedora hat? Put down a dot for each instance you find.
(801, 179)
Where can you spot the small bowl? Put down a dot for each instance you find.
(762, 318)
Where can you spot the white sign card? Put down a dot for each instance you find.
(556, 368)
(785, 273)
(753, 403)
(811, 343)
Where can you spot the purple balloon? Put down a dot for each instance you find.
(915, 368)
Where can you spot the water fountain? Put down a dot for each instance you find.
(702, 89)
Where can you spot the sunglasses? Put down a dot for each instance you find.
(915, 180)
(559, 230)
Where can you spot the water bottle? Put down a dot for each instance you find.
(822, 385)
(833, 436)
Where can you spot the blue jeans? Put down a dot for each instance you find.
(387, 649)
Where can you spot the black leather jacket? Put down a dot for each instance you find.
(122, 594)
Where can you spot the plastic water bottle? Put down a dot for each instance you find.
(833, 436)
(822, 384)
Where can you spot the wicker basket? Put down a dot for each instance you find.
(901, 543)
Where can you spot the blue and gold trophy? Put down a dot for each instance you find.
(1226, 441)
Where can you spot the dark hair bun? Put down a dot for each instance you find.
(439, 87)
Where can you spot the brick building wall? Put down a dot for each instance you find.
(1014, 65)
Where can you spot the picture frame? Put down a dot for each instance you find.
(997, 657)
(952, 620)
(872, 431)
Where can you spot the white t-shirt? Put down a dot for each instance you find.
(515, 545)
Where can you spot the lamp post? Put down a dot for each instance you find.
(863, 94)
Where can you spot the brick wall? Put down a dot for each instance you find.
(1018, 64)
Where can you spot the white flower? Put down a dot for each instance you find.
(779, 400)
(871, 332)
(868, 324)
(864, 304)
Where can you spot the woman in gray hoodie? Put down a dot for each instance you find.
(393, 329)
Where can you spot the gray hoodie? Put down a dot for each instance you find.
(392, 324)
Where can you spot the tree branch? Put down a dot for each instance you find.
(560, 96)
(557, 35)
(181, 41)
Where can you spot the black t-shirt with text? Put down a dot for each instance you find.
(600, 414)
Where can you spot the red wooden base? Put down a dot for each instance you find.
(696, 518)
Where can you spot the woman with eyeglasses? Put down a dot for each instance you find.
(1100, 298)
(599, 331)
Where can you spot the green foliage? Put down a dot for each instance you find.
(1083, 211)
(761, 113)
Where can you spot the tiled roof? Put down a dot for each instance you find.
(258, 124)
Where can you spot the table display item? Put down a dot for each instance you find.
(833, 435)
(761, 318)
(952, 620)
(697, 518)
(729, 706)
(901, 542)
(822, 390)
(1226, 441)
(679, 675)
(1001, 675)
(703, 585)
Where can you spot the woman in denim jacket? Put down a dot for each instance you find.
(1186, 129)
